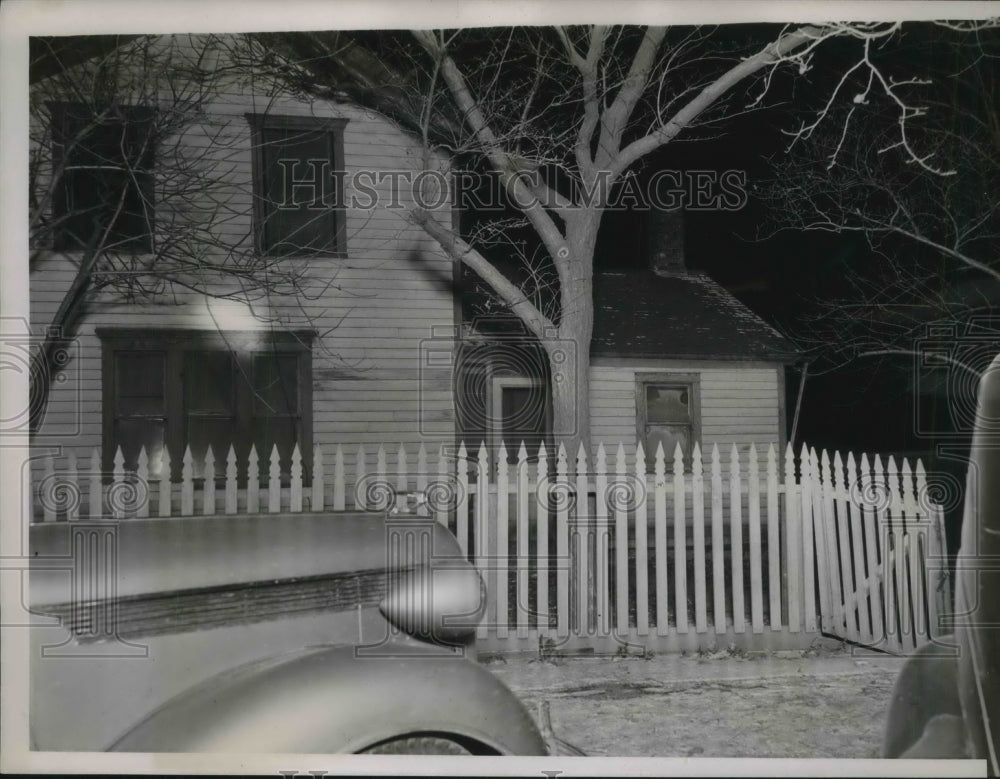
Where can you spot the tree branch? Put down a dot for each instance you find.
(458, 249)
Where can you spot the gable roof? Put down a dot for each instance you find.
(645, 314)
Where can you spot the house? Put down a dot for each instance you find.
(675, 358)
(311, 193)
(358, 340)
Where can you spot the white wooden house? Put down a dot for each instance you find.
(364, 353)
(336, 362)
(675, 358)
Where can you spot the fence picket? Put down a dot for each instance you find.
(232, 486)
(874, 574)
(402, 472)
(542, 502)
(523, 546)
(660, 541)
(736, 540)
(718, 542)
(166, 485)
(208, 485)
(603, 544)
(935, 562)
(621, 549)
(422, 479)
(117, 506)
(380, 476)
(339, 482)
(187, 483)
(482, 535)
(897, 528)
(582, 535)
(73, 508)
(446, 488)
(462, 503)
(503, 548)
(48, 491)
(142, 474)
(912, 530)
(95, 497)
(756, 574)
(253, 481)
(698, 536)
(793, 543)
(295, 488)
(317, 500)
(562, 544)
(274, 483)
(829, 567)
(773, 542)
(641, 518)
(859, 585)
(844, 556)
(809, 621)
(360, 474)
(680, 542)
(886, 554)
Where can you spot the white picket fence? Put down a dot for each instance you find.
(610, 555)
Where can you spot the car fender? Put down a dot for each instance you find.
(341, 699)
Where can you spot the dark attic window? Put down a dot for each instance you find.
(298, 185)
(104, 157)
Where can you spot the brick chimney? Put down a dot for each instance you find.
(665, 242)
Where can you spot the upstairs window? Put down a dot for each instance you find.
(104, 159)
(298, 185)
(668, 414)
(172, 390)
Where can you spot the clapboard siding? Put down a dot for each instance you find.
(739, 403)
(372, 308)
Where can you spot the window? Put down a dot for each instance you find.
(519, 413)
(298, 185)
(668, 413)
(106, 156)
(189, 388)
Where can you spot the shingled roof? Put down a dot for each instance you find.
(687, 315)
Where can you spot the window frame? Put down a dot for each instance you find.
(61, 239)
(242, 345)
(689, 381)
(334, 126)
(498, 383)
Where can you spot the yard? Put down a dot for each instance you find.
(824, 702)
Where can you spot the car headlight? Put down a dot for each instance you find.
(437, 603)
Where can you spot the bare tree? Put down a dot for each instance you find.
(132, 181)
(928, 209)
(563, 115)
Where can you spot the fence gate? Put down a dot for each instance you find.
(882, 570)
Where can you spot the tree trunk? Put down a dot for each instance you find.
(569, 352)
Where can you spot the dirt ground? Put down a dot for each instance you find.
(824, 702)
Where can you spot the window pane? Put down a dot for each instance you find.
(132, 434)
(275, 384)
(208, 382)
(666, 403)
(139, 385)
(300, 192)
(108, 177)
(669, 436)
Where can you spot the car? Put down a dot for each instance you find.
(946, 700)
(323, 632)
